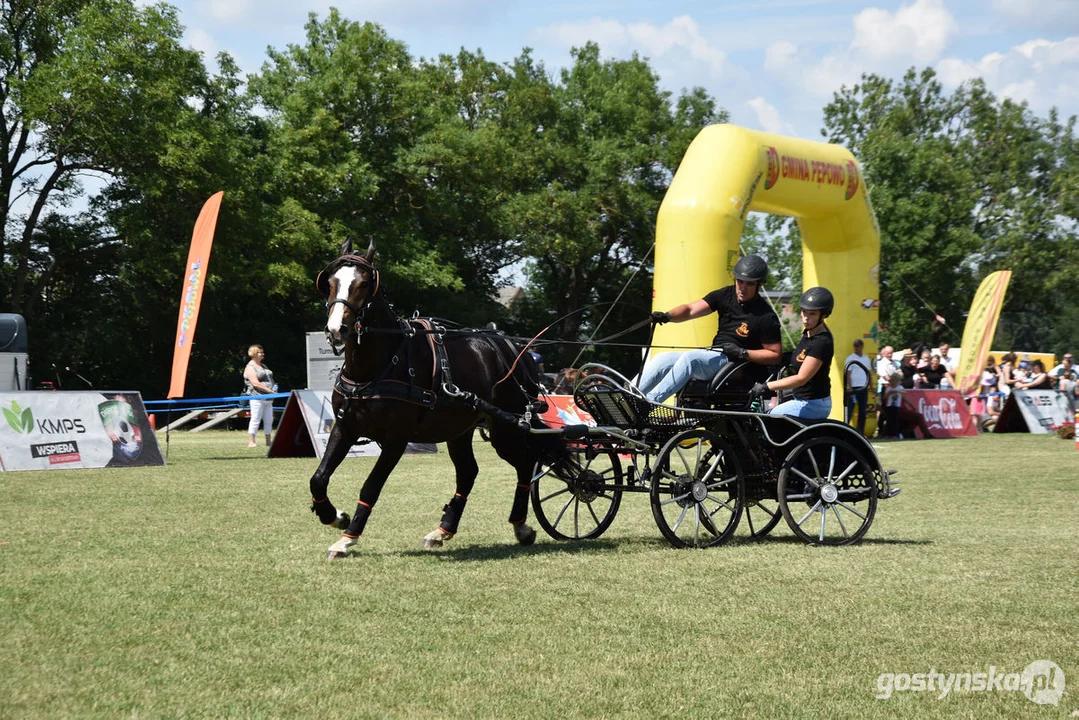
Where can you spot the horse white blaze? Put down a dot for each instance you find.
(344, 277)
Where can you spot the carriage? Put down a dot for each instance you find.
(706, 463)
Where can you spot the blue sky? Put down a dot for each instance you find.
(773, 64)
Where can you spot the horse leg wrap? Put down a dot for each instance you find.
(359, 522)
(324, 510)
(519, 511)
(451, 514)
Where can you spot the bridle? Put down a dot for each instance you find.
(322, 282)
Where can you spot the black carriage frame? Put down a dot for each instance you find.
(707, 462)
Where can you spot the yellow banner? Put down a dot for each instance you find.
(981, 326)
(198, 258)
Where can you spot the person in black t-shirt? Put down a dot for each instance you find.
(748, 330)
(810, 361)
(908, 370)
(932, 375)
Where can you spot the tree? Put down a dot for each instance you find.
(602, 164)
(962, 185)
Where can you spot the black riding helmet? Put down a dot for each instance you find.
(751, 268)
(818, 298)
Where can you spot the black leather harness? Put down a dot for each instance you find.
(383, 388)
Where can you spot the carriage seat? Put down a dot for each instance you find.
(730, 385)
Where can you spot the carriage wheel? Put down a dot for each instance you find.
(697, 490)
(762, 516)
(827, 492)
(578, 501)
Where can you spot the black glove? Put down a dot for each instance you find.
(658, 318)
(759, 390)
(733, 351)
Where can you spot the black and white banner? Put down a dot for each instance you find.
(305, 429)
(65, 430)
(1036, 411)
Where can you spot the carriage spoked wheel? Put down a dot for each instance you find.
(578, 500)
(827, 492)
(762, 516)
(698, 490)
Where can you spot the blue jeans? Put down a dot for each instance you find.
(668, 373)
(809, 409)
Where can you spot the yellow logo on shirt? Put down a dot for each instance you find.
(743, 330)
(801, 357)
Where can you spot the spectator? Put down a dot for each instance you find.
(567, 379)
(886, 367)
(857, 374)
(950, 365)
(258, 380)
(1037, 379)
(990, 377)
(1067, 384)
(1058, 371)
(923, 358)
(890, 404)
(1007, 372)
(933, 374)
(908, 371)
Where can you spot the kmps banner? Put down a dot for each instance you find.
(75, 430)
(941, 413)
(1035, 411)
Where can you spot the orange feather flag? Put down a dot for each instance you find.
(198, 259)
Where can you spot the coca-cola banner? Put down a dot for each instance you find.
(943, 413)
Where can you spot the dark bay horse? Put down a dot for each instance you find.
(414, 381)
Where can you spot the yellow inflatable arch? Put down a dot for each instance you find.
(729, 171)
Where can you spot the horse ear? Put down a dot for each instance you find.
(371, 252)
(322, 282)
(346, 247)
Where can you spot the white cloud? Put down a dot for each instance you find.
(226, 11)
(919, 32)
(1058, 15)
(768, 117)
(778, 55)
(881, 42)
(680, 35)
(203, 42)
(1040, 72)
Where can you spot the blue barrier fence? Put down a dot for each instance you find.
(187, 405)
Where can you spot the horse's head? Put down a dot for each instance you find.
(348, 284)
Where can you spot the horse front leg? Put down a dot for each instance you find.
(372, 487)
(525, 534)
(337, 447)
(466, 470)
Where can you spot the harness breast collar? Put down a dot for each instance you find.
(383, 388)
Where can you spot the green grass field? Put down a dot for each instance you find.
(201, 589)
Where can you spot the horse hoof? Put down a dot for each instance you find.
(341, 521)
(436, 539)
(340, 548)
(524, 534)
